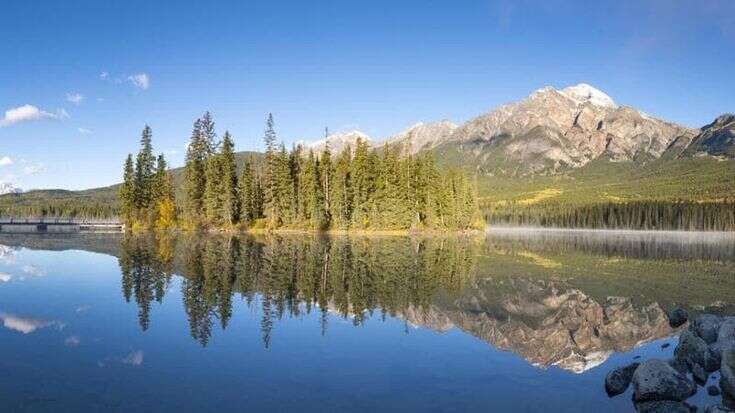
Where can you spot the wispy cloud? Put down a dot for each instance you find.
(134, 359)
(5, 277)
(72, 341)
(75, 98)
(140, 80)
(27, 113)
(104, 76)
(26, 325)
(34, 169)
(6, 161)
(84, 131)
(33, 270)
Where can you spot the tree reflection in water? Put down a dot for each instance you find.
(290, 275)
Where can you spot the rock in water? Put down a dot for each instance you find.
(656, 380)
(692, 349)
(717, 409)
(727, 373)
(618, 380)
(713, 390)
(664, 406)
(706, 326)
(677, 317)
(727, 331)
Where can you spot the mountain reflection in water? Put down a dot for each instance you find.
(568, 304)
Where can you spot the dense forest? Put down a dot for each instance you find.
(288, 277)
(645, 215)
(358, 189)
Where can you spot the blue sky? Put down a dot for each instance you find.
(79, 79)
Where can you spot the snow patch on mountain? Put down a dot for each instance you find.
(8, 188)
(583, 92)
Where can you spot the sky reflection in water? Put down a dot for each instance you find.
(514, 322)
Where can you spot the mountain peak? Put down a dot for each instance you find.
(583, 92)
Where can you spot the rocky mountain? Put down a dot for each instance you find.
(423, 136)
(716, 139)
(337, 142)
(8, 188)
(554, 130)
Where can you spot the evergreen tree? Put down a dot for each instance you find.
(269, 174)
(209, 136)
(248, 196)
(229, 200)
(127, 192)
(144, 164)
(194, 179)
(213, 174)
(165, 204)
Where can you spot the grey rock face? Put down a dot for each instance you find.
(727, 373)
(656, 380)
(713, 390)
(727, 330)
(692, 349)
(717, 409)
(665, 406)
(706, 326)
(677, 317)
(717, 138)
(423, 136)
(618, 380)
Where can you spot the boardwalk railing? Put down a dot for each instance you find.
(45, 224)
(58, 221)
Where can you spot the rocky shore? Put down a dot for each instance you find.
(706, 346)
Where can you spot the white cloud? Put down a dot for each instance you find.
(34, 169)
(5, 277)
(6, 161)
(72, 341)
(104, 76)
(33, 270)
(135, 358)
(84, 131)
(25, 325)
(140, 80)
(75, 98)
(28, 113)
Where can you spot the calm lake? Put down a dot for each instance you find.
(521, 321)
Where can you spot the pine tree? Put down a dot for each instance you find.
(269, 174)
(165, 204)
(212, 186)
(144, 171)
(341, 191)
(209, 136)
(196, 155)
(248, 208)
(127, 192)
(229, 200)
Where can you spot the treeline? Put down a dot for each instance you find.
(352, 278)
(16, 206)
(645, 215)
(358, 189)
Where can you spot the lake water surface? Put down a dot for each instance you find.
(518, 321)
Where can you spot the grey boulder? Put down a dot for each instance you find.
(656, 380)
(727, 373)
(663, 406)
(618, 380)
(706, 326)
(678, 317)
